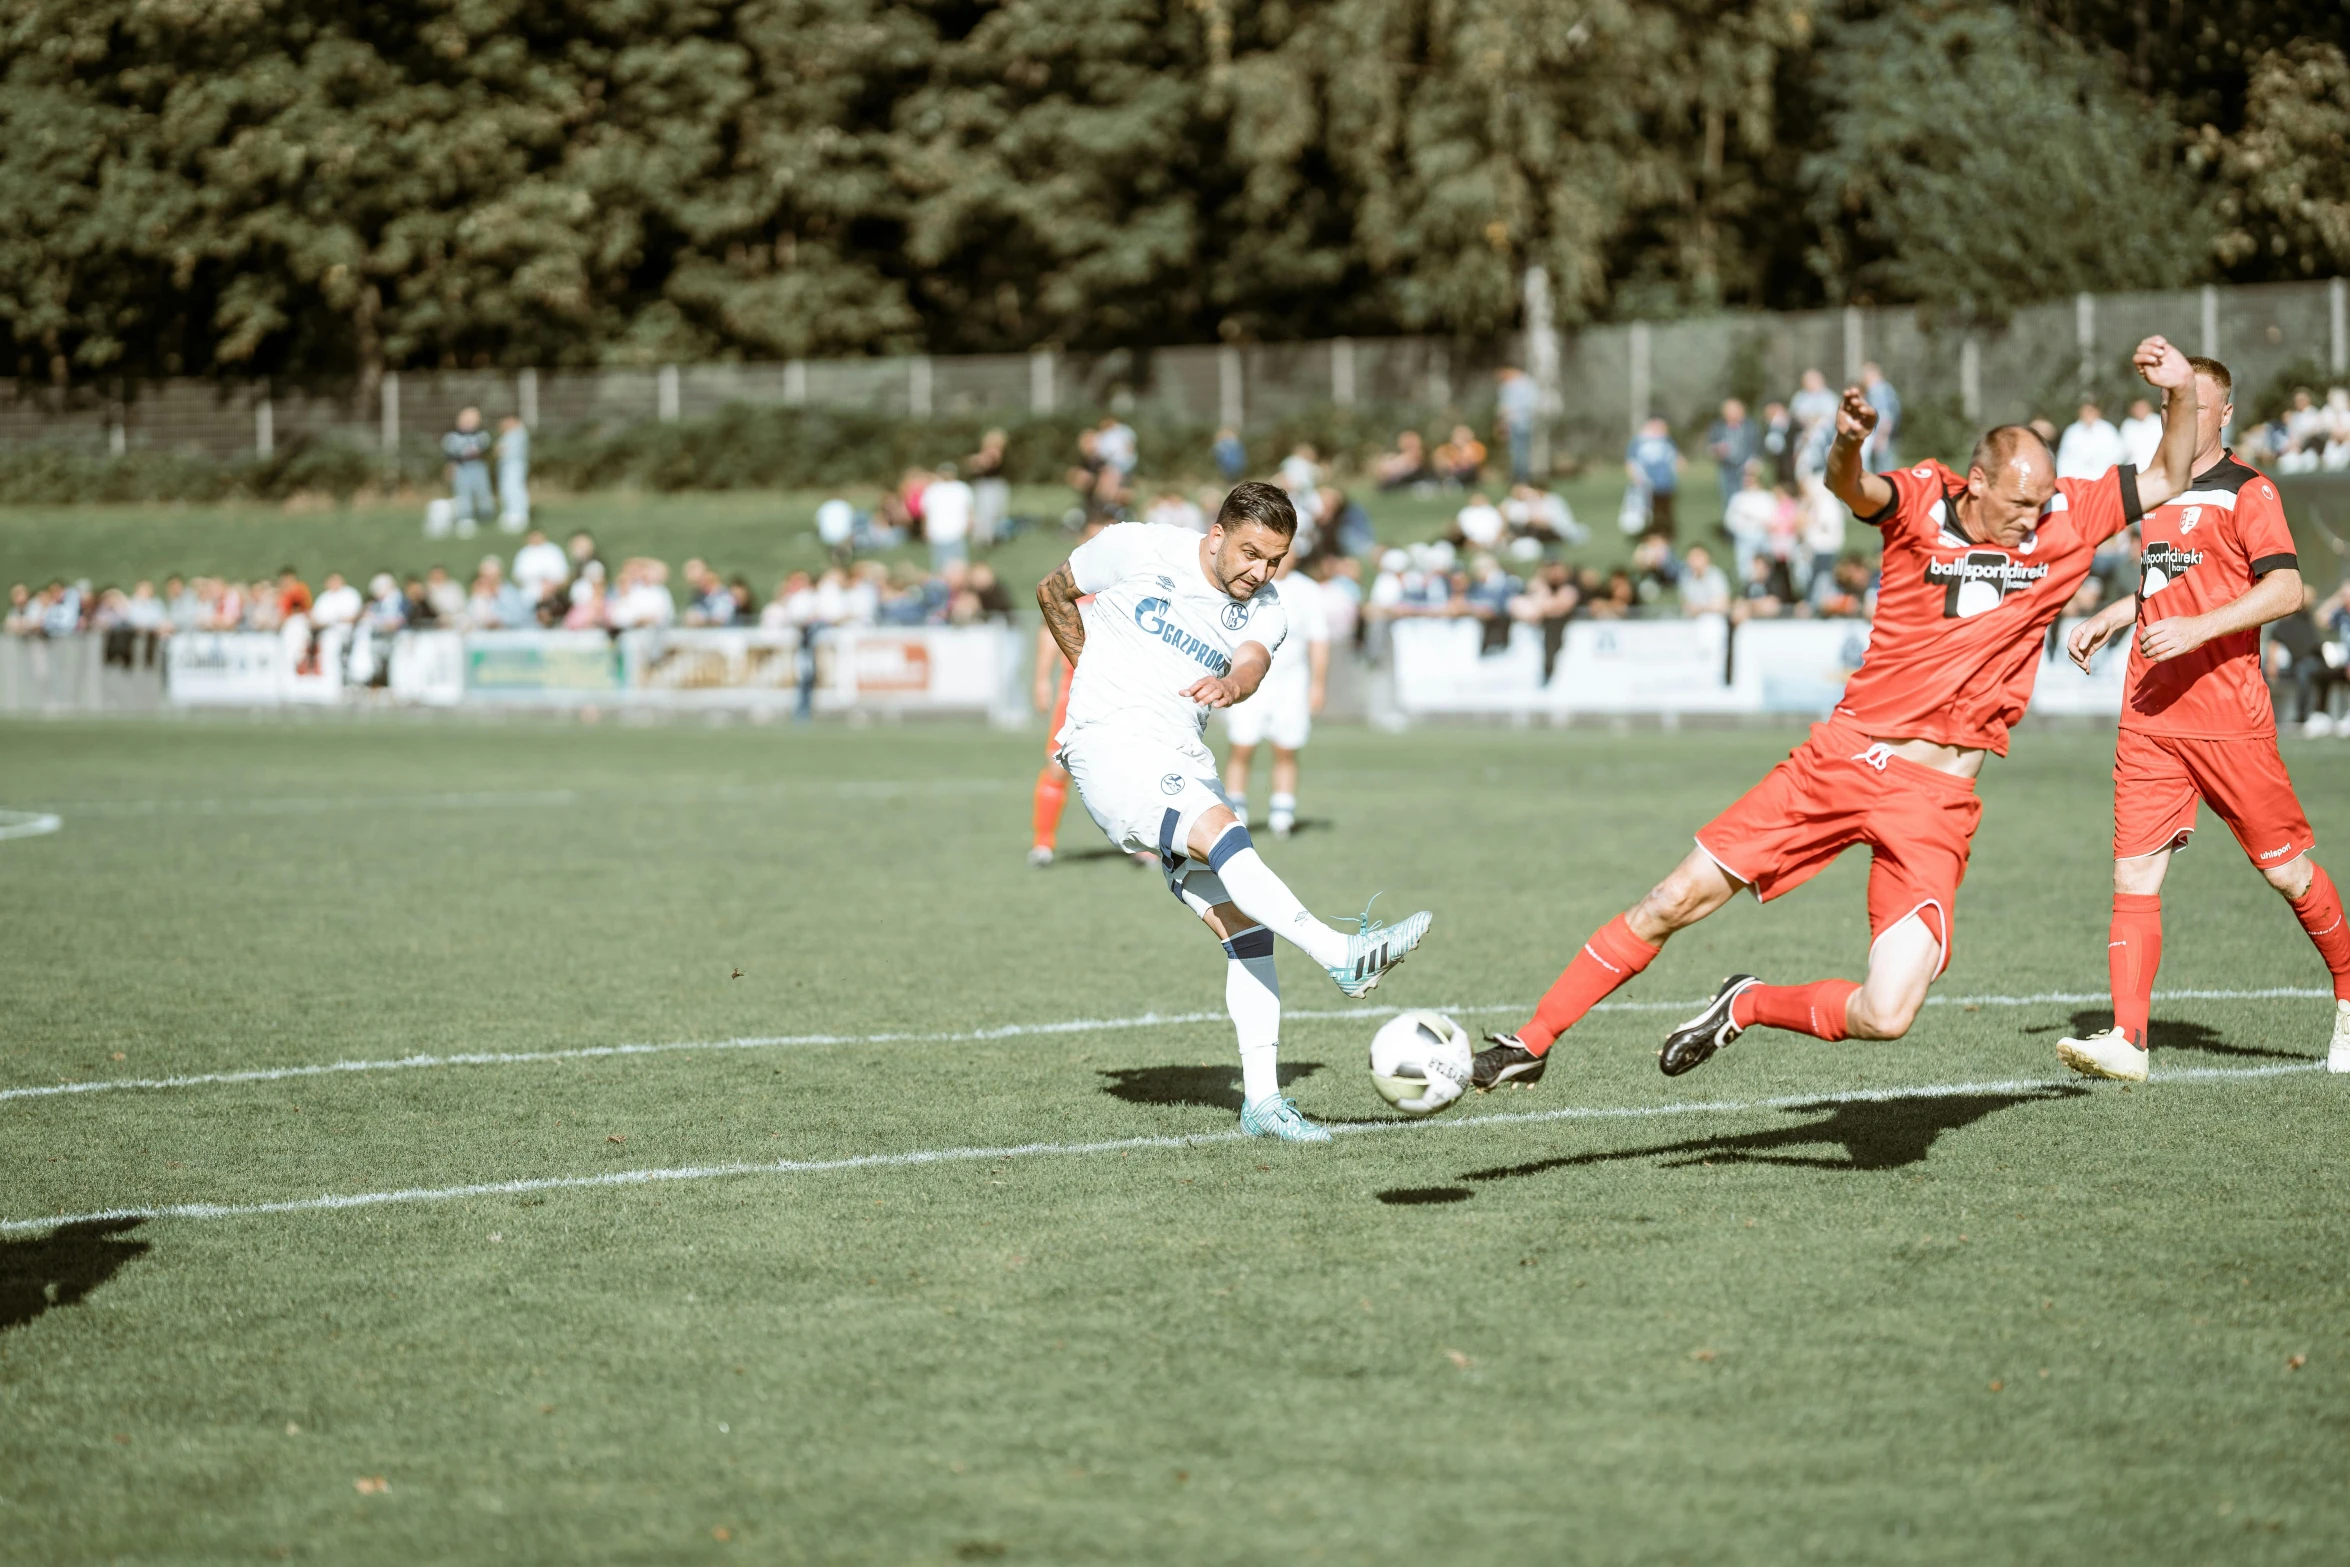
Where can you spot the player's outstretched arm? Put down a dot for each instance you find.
(1057, 597)
(1866, 494)
(2173, 470)
(1249, 664)
(2084, 640)
(2273, 597)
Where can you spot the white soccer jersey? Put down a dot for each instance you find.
(1157, 625)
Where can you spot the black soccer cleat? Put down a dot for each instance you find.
(1507, 1062)
(1694, 1043)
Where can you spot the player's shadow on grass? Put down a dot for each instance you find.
(1882, 1134)
(60, 1268)
(1208, 1087)
(2169, 1035)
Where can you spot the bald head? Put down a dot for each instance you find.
(2009, 479)
(2010, 444)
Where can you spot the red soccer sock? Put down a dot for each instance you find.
(1052, 791)
(1612, 956)
(2320, 914)
(1816, 1009)
(2133, 951)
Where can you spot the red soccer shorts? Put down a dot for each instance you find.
(2158, 780)
(1834, 791)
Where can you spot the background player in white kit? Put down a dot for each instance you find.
(1284, 707)
(1180, 625)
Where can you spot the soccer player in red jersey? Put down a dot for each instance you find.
(1975, 569)
(1052, 781)
(2196, 726)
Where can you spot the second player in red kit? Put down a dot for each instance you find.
(2196, 727)
(1976, 568)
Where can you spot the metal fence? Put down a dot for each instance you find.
(1606, 379)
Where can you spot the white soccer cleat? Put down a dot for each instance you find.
(2338, 1058)
(1376, 947)
(2109, 1054)
(1040, 856)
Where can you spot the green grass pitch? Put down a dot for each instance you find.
(2019, 1322)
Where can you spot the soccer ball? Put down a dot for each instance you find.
(1420, 1062)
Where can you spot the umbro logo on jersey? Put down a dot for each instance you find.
(1980, 581)
(1166, 584)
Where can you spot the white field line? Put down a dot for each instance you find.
(276, 1074)
(27, 824)
(314, 805)
(708, 1172)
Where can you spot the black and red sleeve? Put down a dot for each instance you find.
(1912, 487)
(2260, 524)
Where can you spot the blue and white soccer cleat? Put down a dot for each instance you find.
(1376, 947)
(1274, 1116)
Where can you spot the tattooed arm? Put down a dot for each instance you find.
(1057, 596)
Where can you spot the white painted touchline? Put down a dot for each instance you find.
(312, 805)
(970, 1036)
(598, 1052)
(708, 1172)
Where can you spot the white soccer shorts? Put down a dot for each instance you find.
(1142, 793)
(1276, 713)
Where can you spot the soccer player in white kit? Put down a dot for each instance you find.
(1284, 707)
(1180, 625)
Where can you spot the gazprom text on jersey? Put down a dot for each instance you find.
(1150, 614)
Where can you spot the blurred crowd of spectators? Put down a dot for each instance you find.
(2308, 437)
(2307, 659)
(952, 509)
(1763, 540)
(1773, 546)
(546, 586)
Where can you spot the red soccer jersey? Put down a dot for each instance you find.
(2205, 549)
(1956, 644)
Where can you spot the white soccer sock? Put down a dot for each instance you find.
(1284, 813)
(1252, 994)
(1263, 897)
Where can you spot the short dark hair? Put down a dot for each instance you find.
(1999, 443)
(1259, 502)
(2213, 368)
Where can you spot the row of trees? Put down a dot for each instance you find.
(244, 187)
